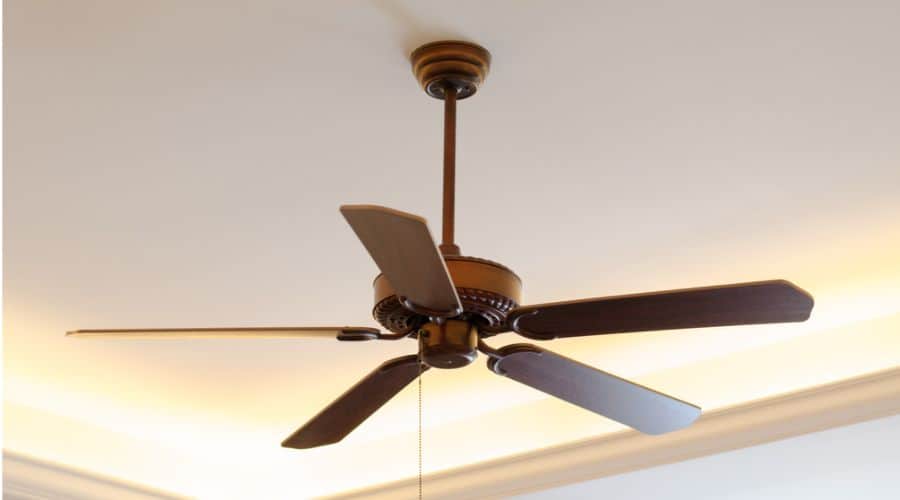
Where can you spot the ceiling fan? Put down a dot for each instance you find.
(451, 303)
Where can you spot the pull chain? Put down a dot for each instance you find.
(420, 418)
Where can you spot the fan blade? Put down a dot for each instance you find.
(354, 406)
(775, 301)
(613, 397)
(340, 333)
(403, 249)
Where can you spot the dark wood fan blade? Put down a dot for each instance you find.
(402, 247)
(357, 404)
(628, 403)
(340, 333)
(775, 301)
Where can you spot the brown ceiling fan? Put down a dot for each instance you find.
(452, 303)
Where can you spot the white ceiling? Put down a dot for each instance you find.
(181, 164)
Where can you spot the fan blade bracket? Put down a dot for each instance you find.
(359, 334)
(494, 361)
(517, 325)
(430, 313)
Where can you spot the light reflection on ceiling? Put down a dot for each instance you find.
(157, 178)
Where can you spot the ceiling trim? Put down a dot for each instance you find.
(810, 410)
(815, 409)
(26, 478)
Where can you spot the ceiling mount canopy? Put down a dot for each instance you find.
(439, 66)
(449, 303)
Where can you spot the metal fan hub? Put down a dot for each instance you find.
(487, 290)
(449, 344)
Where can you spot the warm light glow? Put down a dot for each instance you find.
(854, 330)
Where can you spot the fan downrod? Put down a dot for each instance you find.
(450, 70)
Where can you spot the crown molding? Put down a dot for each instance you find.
(26, 478)
(815, 409)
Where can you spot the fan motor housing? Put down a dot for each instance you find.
(449, 344)
(487, 290)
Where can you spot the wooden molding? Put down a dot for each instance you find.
(811, 410)
(26, 478)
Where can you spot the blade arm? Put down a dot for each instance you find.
(626, 402)
(353, 407)
(775, 301)
(346, 333)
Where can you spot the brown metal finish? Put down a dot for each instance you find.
(448, 247)
(396, 318)
(488, 292)
(451, 303)
(358, 334)
(450, 64)
(354, 406)
(626, 402)
(449, 344)
(775, 301)
(488, 351)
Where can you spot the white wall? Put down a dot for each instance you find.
(860, 461)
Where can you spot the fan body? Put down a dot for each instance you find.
(449, 304)
(487, 290)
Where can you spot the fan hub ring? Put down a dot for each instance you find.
(488, 292)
